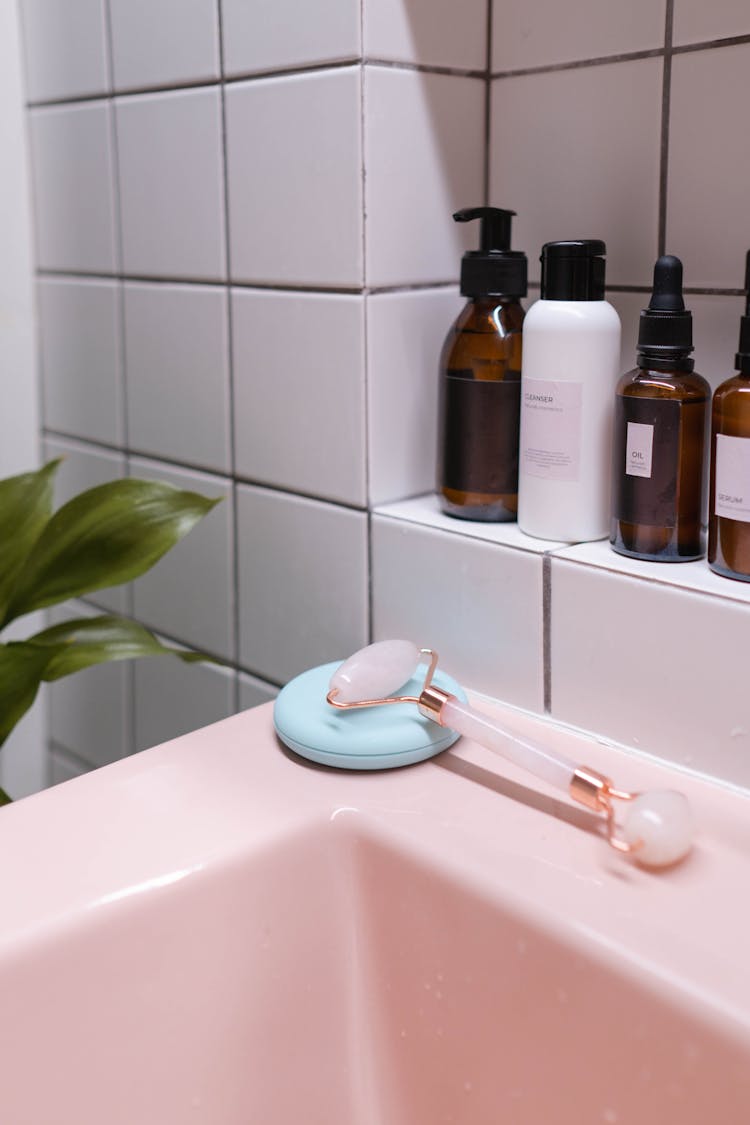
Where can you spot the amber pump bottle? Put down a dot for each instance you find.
(729, 502)
(480, 378)
(661, 410)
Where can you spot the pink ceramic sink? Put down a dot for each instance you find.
(215, 933)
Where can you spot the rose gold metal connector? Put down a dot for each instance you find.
(596, 792)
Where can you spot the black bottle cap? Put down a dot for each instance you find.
(494, 270)
(665, 333)
(573, 270)
(742, 359)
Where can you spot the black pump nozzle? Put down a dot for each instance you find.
(665, 334)
(494, 230)
(494, 270)
(742, 359)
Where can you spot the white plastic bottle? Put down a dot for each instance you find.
(571, 360)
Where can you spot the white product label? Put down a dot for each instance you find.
(733, 477)
(638, 447)
(551, 429)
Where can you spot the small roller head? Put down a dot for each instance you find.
(659, 826)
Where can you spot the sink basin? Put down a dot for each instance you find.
(214, 932)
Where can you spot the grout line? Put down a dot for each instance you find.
(217, 283)
(547, 630)
(254, 76)
(664, 134)
(365, 338)
(234, 513)
(711, 44)
(488, 106)
(579, 64)
(129, 675)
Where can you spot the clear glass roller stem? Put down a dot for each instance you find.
(555, 769)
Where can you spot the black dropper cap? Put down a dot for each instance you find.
(494, 270)
(742, 359)
(665, 333)
(573, 270)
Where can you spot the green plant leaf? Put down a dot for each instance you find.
(25, 509)
(22, 667)
(105, 536)
(75, 645)
(5, 799)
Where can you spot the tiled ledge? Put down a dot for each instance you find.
(648, 655)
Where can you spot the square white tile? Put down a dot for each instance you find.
(254, 692)
(299, 393)
(424, 145)
(173, 698)
(65, 48)
(85, 467)
(659, 669)
(172, 184)
(177, 370)
(302, 582)
(405, 334)
(707, 223)
(696, 22)
(71, 175)
(716, 332)
(90, 711)
(188, 595)
(537, 33)
(295, 179)
(163, 42)
(80, 355)
(278, 34)
(478, 604)
(555, 161)
(426, 33)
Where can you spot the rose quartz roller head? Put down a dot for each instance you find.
(656, 828)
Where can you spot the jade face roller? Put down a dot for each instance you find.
(656, 827)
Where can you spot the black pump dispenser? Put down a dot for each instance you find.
(494, 270)
(742, 358)
(665, 333)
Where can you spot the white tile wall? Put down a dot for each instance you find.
(295, 179)
(658, 668)
(299, 392)
(172, 698)
(695, 22)
(177, 368)
(188, 595)
(423, 160)
(478, 604)
(62, 767)
(302, 582)
(280, 34)
(309, 374)
(709, 181)
(65, 48)
(80, 350)
(537, 33)
(163, 42)
(405, 334)
(420, 31)
(576, 154)
(171, 184)
(254, 692)
(71, 161)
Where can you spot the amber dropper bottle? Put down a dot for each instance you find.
(661, 410)
(480, 378)
(729, 503)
